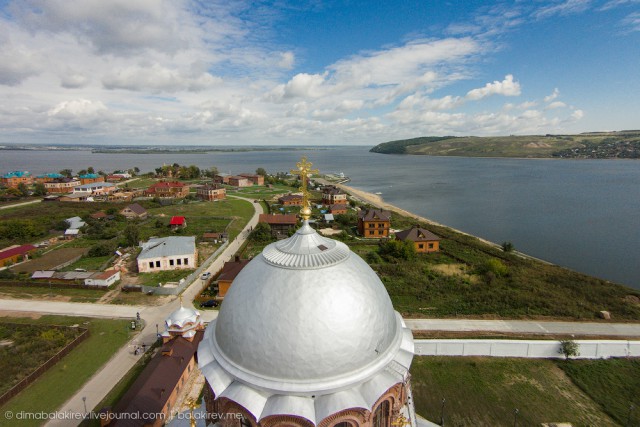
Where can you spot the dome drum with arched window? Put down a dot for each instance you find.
(307, 333)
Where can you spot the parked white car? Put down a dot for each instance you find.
(205, 276)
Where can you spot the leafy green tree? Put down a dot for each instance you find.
(261, 171)
(39, 189)
(90, 169)
(398, 249)
(66, 172)
(507, 246)
(22, 188)
(211, 172)
(102, 249)
(21, 229)
(132, 235)
(261, 233)
(82, 172)
(569, 348)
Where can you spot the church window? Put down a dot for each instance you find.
(186, 261)
(158, 264)
(170, 262)
(179, 261)
(151, 264)
(381, 415)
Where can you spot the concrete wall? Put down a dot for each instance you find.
(589, 349)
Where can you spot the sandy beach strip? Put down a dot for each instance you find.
(377, 201)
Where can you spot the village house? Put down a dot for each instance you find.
(338, 209)
(168, 189)
(15, 254)
(100, 279)
(374, 223)
(61, 185)
(424, 240)
(15, 178)
(177, 222)
(215, 237)
(229, 272)
(211, 192)
(100, 215)
(240, 181)
(95, 189)
(47, 177)
(75, 197)
(168, 253)
(114, 178)
(90, 178)
(291, 200)
(134, 211)
(222, 178)
(332, 195)
(280, 224)
(254, 178)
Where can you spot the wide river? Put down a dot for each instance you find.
(582, 214)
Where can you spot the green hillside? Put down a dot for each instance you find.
(596, 145)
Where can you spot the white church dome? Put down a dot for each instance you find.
(306, 328)
(183, 319)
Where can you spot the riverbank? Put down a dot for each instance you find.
(378, 201)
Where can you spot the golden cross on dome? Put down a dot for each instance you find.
(304, 170)
(401, 421)
(191, 404)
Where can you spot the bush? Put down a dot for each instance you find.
(398, 249)
(495, 267)
(569, 348)
(103, 249)
(373, 258)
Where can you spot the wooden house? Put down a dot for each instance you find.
(374, 223)
(424, 240)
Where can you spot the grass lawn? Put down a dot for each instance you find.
(139, 183)
(60, 382)
(29, 347)
(614, 384)
(57, 294)
(261, 192)
(229, 215)
(152, 279)
(88, 263)
(486, 392)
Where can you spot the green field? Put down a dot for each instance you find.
(487, 391)
(60, 382)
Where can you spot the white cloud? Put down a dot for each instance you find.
(631, 23)
(156, 78)
(553, 96)
(565, 7)
(507, 87)
(287, 60)
(76, 108)
(555, 104)
(71, 80)
(17, 63)
(612, 4)
(577, 115)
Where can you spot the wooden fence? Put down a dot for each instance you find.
(53, 284)
(45, 366)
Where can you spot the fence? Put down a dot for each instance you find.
(52, 284)
(44, 367)
(188, 280)
(588, 349)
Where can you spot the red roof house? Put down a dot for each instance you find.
(15, 254)
(177, 222)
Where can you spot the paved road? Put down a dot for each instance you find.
(526, 326)
(108, 376)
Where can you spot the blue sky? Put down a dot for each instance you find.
(316, 72)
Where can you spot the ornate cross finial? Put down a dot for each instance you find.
(401, 421)
(304, 170)
(191, 403)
